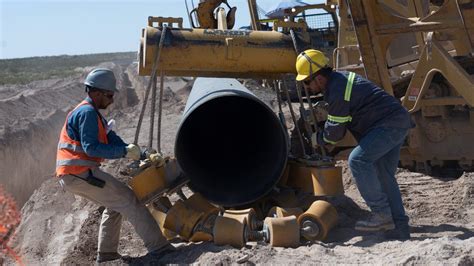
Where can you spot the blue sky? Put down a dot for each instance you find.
(46, 27)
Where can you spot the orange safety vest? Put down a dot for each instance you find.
(71, 158)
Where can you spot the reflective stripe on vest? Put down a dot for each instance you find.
(329, 141)
(339, 119)
(347, 98)
(76, 162)
(350, 82)
(71, 147)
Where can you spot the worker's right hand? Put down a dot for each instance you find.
(133, 152)
(157, 159)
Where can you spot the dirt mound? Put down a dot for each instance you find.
(51, 221)
(60, 228)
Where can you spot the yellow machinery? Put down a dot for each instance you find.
(217, 53)
(420, 51)
(155, 178)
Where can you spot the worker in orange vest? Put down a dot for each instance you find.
(85, 141)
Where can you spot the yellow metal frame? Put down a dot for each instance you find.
(148, 183)
(376, 28)
(435, 59)
(182, 220)
(170, 21)
(320, 181)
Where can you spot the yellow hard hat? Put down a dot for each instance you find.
(310, 62)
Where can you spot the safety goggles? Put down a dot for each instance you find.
(108, 95)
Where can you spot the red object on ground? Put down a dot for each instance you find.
(9, 220)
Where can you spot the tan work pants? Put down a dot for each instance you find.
(118, 200)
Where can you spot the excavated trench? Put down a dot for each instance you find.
(31, 117)
(28, 156)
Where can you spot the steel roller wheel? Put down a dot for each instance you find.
(318, 220)
(279, 212)
(283, 232)
(182, 220)
(246, 216)
(228, 231)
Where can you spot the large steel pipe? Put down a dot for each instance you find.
(230, 144)
(217, 53)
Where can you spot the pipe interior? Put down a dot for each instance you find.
(233, 149)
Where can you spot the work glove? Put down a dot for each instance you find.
(133, 152)
(156, 159)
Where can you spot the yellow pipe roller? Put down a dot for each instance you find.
(217, 53)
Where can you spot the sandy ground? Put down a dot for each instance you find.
(60, 228)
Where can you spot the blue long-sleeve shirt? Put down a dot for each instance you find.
(82, 126)
(359, 108)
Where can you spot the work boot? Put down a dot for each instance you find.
(168, 248)
(153, 257)
(107, 256)
(376, 222)
(401, 232)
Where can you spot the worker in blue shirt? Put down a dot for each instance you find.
(82, 125)
(379, 123)
(87, 139)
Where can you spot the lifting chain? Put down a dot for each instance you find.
(152, 85)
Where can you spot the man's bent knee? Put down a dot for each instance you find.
(357, 162)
